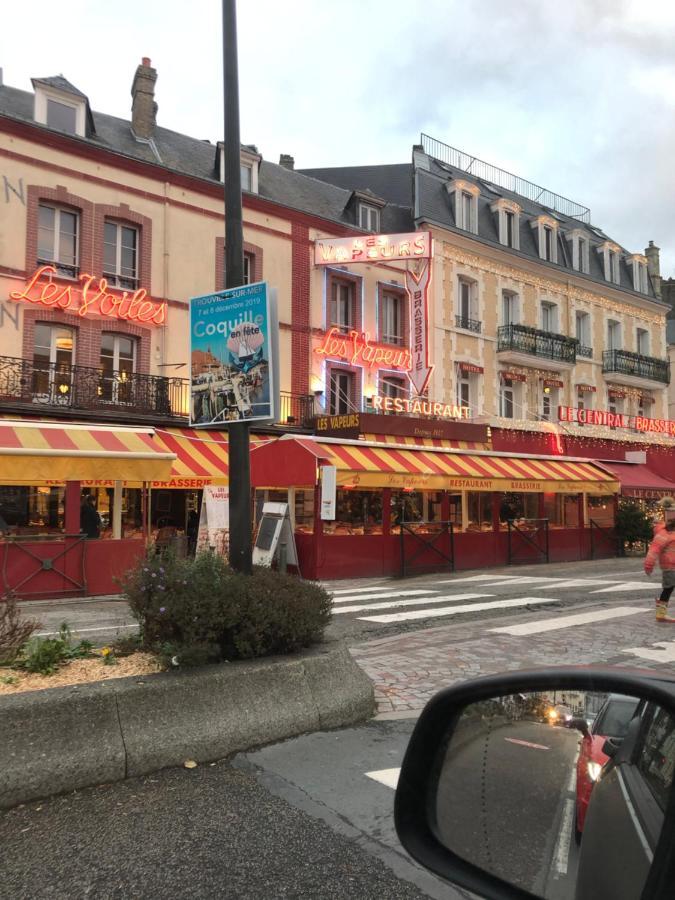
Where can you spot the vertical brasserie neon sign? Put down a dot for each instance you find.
(416, 249)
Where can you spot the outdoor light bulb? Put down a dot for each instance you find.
(64, 388)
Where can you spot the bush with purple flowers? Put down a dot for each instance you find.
(199, 610)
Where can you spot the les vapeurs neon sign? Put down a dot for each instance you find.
(356, 349)
(90, 298)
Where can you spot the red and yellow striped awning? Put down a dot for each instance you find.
(378, 466)
(48, 452)
(441, 443)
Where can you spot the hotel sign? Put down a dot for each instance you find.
(372, 248)
(615, 420)
(91, 297)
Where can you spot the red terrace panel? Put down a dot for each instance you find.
(285, 463)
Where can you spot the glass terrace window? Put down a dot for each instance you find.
(61, 116)
(58, 239)
(120, 255)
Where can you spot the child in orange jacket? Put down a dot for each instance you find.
(662, 550)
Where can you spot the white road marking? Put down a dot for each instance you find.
(387, 777)
(456, 610)
(495, 580)
(76, 630)
(628, 586)
(662, 651)
(568, 621)
(417, 601)
(562, 850)
(351, 598)
(580, 582)
(474, 578)
(354, 590)
(526, 744)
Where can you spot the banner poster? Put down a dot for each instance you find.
(214, 520)
(233, 356)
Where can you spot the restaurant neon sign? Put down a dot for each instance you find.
(374, 248)
(356, 349)
(420, 407)
(91, 297)
(615, 420)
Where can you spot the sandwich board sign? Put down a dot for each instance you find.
(274, 530)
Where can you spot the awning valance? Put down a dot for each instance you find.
(639, 481)
(35, 452)
(370, 466)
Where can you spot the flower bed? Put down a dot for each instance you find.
(78, 671)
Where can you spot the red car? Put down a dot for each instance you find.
(612, 721)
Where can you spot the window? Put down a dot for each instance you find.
(656, 760)
(642, 341)
(611, 255)
(615, 402)
(120, 255)
(640, 274)
(549, 317)
(369, 217)
(58, 239)
(393, 387)
(584, 398)
(465, 197)
(248, 267)
(118, 364)
(61, 116)
(507, 399)
(549, 403)
(583, 334)
(510, 222)
(467, 202)
(342, 305)
(548, 243)
(510, 313)
(613, 335)
(466, 292)
(392, 318)
(547, 237)
(246, 174)
(340, 399)
(580, 251)
(53, 355)
(464, 389)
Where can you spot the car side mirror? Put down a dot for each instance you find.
(611, 745)
(490, 796)
(581, 725)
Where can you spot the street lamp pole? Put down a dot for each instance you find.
(238, 438)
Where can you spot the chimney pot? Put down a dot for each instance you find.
(654, 267)
(287, 161)
(143, 106)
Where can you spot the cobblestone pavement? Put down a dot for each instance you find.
(407, 669)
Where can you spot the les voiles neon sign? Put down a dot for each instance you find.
(90, 298)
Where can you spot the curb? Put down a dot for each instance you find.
(61, 739)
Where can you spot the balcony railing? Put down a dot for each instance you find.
(81, 388)
(296, 409)
(468, 324)
(522, 339)
(586, 352)
(624, 362)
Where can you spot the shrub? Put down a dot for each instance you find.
(14, 630)
(632, 523)
(199, 611)
(45, 655)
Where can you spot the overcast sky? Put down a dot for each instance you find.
(577, 96)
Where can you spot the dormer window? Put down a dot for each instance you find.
(580, 250)
(369, 217)
(61, 106)
(465, 201)
(638, 264)
(249, 165)
(611, 257)
(546, 230)
(508, 222)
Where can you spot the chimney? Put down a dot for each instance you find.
(286, 161)
(654, 267)
(143, 106)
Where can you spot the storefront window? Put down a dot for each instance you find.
(601, 510)
(357, 512)
(304, 512)
(561, 510)
(455, 510)
(480, 511)
(32, 510)
(407, 506)
(516, 507)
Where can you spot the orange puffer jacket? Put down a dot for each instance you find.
(661, 549)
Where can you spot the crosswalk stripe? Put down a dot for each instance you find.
(350, 598)
(577, 582)
(455, 610)
(662, 651)
(417, 601)
(387, 777)
(628, 586)
(568, 621)
(353, 590)
(475, 578)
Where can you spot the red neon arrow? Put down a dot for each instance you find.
(417, 284)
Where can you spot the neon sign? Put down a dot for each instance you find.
(616, 420)
(420, 407)
(90, 298)
(356, 349)
(374, 248)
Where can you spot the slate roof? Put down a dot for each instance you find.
(191, 156)
(393, 183)
(61, 84)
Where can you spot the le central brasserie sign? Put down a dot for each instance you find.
(615, 420)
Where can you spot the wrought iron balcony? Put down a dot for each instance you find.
(79, 389)
(468, 324)
(532, 341)
(586, 352)
(296, 409)
(624, 362)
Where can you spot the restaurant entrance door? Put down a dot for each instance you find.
(426, 547)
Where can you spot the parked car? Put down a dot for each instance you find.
(611, 722)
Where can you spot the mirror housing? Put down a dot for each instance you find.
(611, 745)
(415, 807)
(581, 725)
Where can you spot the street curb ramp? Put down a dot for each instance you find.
(61, 739)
